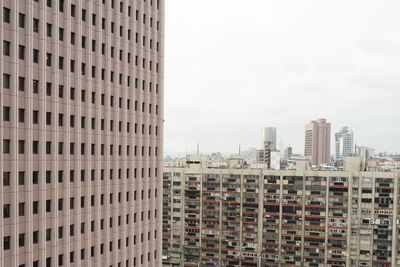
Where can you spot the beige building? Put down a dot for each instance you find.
(318, 141)
(237, 215)
(81, 132)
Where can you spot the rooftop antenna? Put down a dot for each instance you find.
(239, 149)
(198, 150)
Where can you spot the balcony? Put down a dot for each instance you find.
(229, 216)
(337, 243)
(270, 219)
(292, 200)
(314, 253)
(270, 248)
(315, 211)
(231, 226)
(291, 231)
(192, 241)
(231, 207)
(338, 192)
(230, 245)
(292, 241)
(252, 228)
(272, 189)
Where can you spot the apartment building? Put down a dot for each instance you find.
(231, 214)
(81, 132)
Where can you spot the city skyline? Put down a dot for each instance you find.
(282, 64)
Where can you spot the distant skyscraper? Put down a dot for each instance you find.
(344, 143)
(318, 141)
(269, 134)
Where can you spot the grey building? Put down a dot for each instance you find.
(344, 143)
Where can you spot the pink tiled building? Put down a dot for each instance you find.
(318, 141)
(81, 132)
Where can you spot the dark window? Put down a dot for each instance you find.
(21, 20)
(6, 113)
(61, 34)
(48, 29)
(6, 15)
(21, 84)
(21, 52)
(6, 48)
(6, 80)
(72, 10)
(48, 59)
(35, 25)
(35, 56)
(21, 115)
(35, 117)
(7, 243)
(35, 86)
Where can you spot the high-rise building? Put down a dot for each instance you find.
(239, 215)
(269, 134)
(344, 143)
(318, 141)
(81, 132)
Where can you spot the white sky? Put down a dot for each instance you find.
(233, 67)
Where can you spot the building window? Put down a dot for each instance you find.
(21, 52)
(6, 15)
(6, 113)
(35, 237)
(35, 25)
(35, 147)
(21, 20)
(35, 117)
(21, 146)
(6, 211)
(21, 178)
(35, 207)
(35, 86)
(48, 29)
(35, 56)
(21, 209)
(48, 148)
(6, 48)
(6, 80)
(48, 233)
(7, 243)
(48, 206)
(48, 118)
(48, 59)
(6, 146)
(21, 84)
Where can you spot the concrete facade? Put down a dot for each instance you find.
(318, 141)
(244, 216)
(81, 132)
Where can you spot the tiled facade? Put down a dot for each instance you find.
(81, 132)
(318, 141)
(240, 216)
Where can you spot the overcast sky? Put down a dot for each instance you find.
(234, 66)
